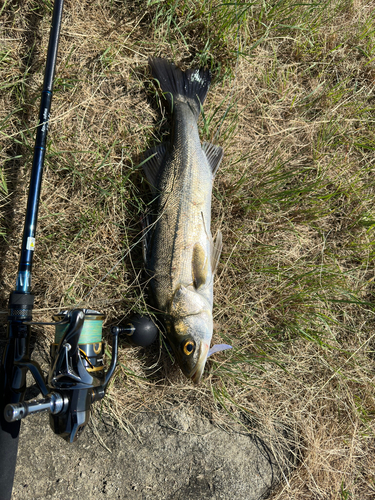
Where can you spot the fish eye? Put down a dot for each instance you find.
(189, 347)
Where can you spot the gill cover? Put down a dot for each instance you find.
(186, 302)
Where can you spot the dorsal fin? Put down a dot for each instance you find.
(153, 160)
(216, 249)
(214, 155)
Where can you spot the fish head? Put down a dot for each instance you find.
(190, 338)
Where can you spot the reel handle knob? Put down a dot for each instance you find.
(53, 402)
(140, 330)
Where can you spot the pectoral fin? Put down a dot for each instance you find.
(199, 266)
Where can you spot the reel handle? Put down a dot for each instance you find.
(54, 403)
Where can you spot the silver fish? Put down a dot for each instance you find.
(180, 254)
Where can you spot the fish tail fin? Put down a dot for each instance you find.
(189, 86)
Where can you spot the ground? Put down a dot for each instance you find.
(172, 454)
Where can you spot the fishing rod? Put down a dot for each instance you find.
(77, 376)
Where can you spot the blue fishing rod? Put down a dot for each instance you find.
(17, 349)
(77, 376)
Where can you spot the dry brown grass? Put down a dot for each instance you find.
(294, 199)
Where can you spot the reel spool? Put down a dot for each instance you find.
(90, 341)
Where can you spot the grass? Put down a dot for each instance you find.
(292, 103)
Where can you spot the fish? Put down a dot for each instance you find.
(181, 256)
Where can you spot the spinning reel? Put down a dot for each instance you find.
(76, 377)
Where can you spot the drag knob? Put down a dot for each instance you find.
(140, 330)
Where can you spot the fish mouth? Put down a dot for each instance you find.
(196, 375)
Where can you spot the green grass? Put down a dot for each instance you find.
(292, 103)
